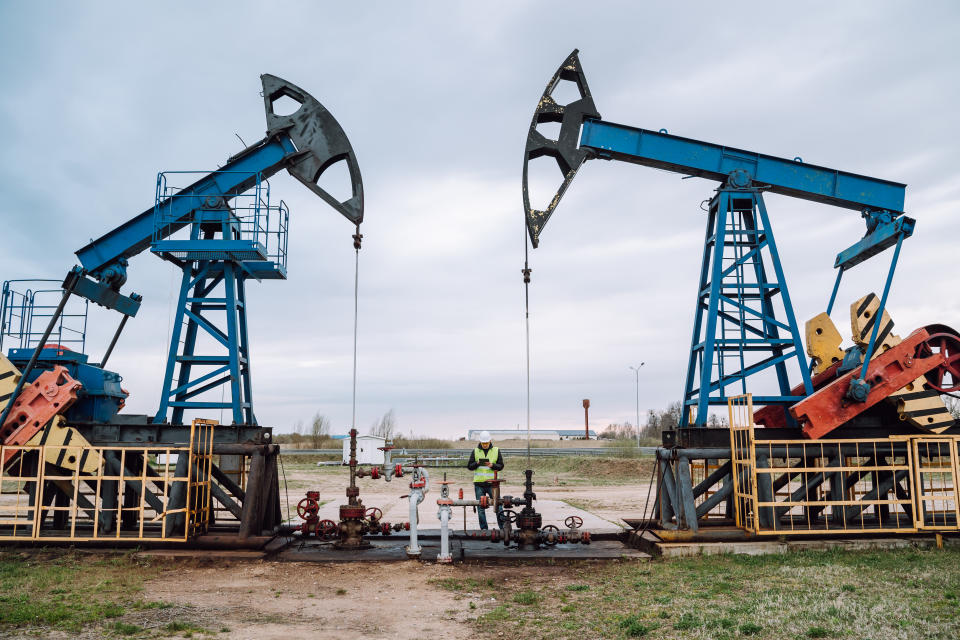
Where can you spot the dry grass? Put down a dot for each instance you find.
(563, 471)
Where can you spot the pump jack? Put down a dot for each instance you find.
(221, 229)
(882, 455)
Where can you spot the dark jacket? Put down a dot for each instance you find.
(496, 466)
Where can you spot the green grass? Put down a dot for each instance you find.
(881, 595)
(526, 597)
(125, 629)
(179, 626)
(67, 591)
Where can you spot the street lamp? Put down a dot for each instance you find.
(636, 371)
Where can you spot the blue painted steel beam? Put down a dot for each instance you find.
(240, 173)
(883, 237)
(717, 162)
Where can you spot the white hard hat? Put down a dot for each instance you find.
(484, 436)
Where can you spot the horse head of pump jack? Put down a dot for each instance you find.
(565, 149)
(320, 142)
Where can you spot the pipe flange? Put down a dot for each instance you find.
(350, 512)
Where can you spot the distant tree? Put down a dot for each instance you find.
(319, 430)
(617, 431)
(299, 434)
(716, 421)
(385, 427)
(953, 405)
(663, 420)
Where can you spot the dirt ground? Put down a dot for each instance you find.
(265, 600)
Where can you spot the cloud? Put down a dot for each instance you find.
(436, 100)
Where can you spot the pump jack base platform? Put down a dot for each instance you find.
(667, 543)
(393, 549)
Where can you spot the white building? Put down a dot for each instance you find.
(535, 434)
(367, 451)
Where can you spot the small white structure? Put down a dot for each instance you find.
(367, 451)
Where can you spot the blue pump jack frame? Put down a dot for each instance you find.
(241, 172)
(738, 223)
(110, 252)
(742, 172)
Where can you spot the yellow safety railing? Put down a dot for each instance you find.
(933, 463)
(742, 462)
(83, 492)
(901, 484)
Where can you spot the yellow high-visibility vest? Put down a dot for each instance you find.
(482, 473)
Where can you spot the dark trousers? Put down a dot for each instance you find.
(485, 488)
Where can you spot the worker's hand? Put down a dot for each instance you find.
(485, 463)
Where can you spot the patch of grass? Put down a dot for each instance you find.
(67, 591)
(686, 622)
(341, 591)
(634, 627)
(125, 629)
(466, 584)
(750, 629)
(179, 626)
(526, 597)
(497, 613)
(795, 595)
(151, 604)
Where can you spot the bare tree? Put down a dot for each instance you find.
(385, 427)
(617, 431)
(299, 433)
(953, 405)
(319, 429)
(715, 421)
(663, 420)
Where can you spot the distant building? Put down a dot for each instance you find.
(535, 434)
(367, 450)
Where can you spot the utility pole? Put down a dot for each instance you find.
(636, 371)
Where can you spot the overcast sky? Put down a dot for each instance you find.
(436, 98)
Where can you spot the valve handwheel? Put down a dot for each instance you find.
(326, 528)
(374, 513)
(509, 515)
(945, 378)
(307, 507)
(551, 534)
(573, 522)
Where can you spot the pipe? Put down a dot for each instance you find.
(444, 557)
(418, 487)
(242, 449)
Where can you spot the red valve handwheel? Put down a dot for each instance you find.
(307, 507)
(327, 528)
(944, 378)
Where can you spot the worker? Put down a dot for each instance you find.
(485, 461)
